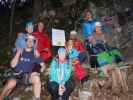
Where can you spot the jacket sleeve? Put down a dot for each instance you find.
(73, 53)
(68, 72)
(84, 28)
(53, 70)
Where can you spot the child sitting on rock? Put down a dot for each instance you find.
(79, 71)
(79, 46)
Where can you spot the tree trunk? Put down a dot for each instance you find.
(11, 22)
(36, 9)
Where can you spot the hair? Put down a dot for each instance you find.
(36, 26)
(86, 11)
(40, 21)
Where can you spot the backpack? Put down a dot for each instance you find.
(105, 58)
(79, 71)
(116, 54)
(20, 41)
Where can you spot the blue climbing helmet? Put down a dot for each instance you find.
(62, 51)
(29, 24)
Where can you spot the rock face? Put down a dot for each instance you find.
(68, 15)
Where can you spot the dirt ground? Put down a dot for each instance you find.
(107, 91)
(102, 89)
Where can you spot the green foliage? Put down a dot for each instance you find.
(3, 75)
(5, 56)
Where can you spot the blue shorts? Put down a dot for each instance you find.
(22, 78)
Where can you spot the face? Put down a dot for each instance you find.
(98, 29)
(62, 56)
(40, 27)
(88, 16)
(70, 44)
(29, 29)
(30, 43)
(73, 36)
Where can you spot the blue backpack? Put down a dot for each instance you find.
(20, 41)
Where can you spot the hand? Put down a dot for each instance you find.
(43, 66)
(62, 88)
(42, 69)
(37, 54)
(15, 60)
(90, 39)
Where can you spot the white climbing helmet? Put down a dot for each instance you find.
(98, 24)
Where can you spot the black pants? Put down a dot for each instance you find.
(93, 62)
(54, 86)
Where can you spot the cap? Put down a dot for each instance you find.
(62, 50)
(98, 24)
(73, 32)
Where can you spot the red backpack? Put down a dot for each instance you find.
(79, 71)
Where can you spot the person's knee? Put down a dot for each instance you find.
(70, 84)
(35, 79)
(53, 86)
(12, 83)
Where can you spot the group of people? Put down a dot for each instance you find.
(32, 49)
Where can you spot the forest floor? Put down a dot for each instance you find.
(97, 88)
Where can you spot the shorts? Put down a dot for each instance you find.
(21, 78)
(36, 68)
